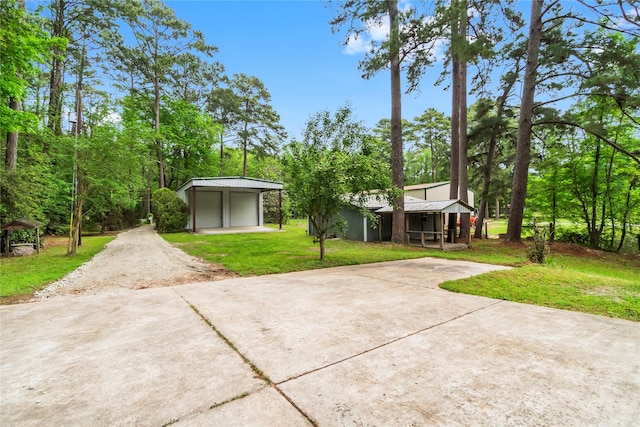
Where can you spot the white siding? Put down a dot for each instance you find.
(244, 209)
(438, 193)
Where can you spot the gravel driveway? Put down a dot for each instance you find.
(136, 259)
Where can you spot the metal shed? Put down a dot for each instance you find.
(225, 202)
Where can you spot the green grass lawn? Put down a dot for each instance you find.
(25, 275)
(605, 284)
(588, 281)
(268, 253)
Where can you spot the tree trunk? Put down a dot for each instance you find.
(11, 156)
(56, 76)
(625, 217)
(595, 235)
(244, 149)
(455, 118)
(523, 146)
(493, 141)
(322, 239)
(221, 153)
(463, 184)
(74, 234)
(156, 126)
(397, 166)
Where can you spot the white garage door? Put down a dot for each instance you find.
(208, 209)
(243, 209)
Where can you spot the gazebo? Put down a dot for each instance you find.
(22, 224)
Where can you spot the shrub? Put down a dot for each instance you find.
(270, 208)
(538, 249)
(572, 235)
(169, 212)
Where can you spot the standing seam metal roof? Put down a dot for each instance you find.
(232, 182)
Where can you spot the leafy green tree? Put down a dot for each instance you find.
(336, 165)
(189, 135)
(105, 170)
(357, 16)
(170, 213)
(224, 106)
(257, 125)
(161, 39)
(23, 45)
(523, 151)
(432, 130)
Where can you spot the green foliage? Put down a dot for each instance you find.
(169, 212)
(538, 249)
(335, 166)
(189, 135)
(25, 275)
(604, 284)
(23, 45)
(271, 207)
(32, 190)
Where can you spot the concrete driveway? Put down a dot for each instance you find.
(370, 345)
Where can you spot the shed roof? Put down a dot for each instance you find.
(414, 205)
(428, 185)
(232, 182)
(22, 224)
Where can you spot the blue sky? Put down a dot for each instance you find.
(290, 47)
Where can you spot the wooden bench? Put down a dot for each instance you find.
(436, 234)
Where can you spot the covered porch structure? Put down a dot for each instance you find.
(425, 221)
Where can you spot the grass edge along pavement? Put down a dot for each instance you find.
(588, 281)
(22, 276)
(591, 281)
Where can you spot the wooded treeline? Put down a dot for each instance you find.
(567, 76)
(104, 101)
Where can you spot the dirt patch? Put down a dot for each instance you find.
(574, 249)
(136, 259)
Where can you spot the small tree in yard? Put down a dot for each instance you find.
(170, 213)
(335, 165)
(539, 248)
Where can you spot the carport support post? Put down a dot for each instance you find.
(193, 209)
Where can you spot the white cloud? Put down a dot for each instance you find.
(356, 45)
(113, 117)
(378, 31)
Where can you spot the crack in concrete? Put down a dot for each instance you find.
(259, 373)
(389, 342)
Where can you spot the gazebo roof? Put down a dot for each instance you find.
(22, 224)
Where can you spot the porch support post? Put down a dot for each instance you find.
(469, 231)
(193, 209)
(441, 231)
(280, 209)
(406, 229)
